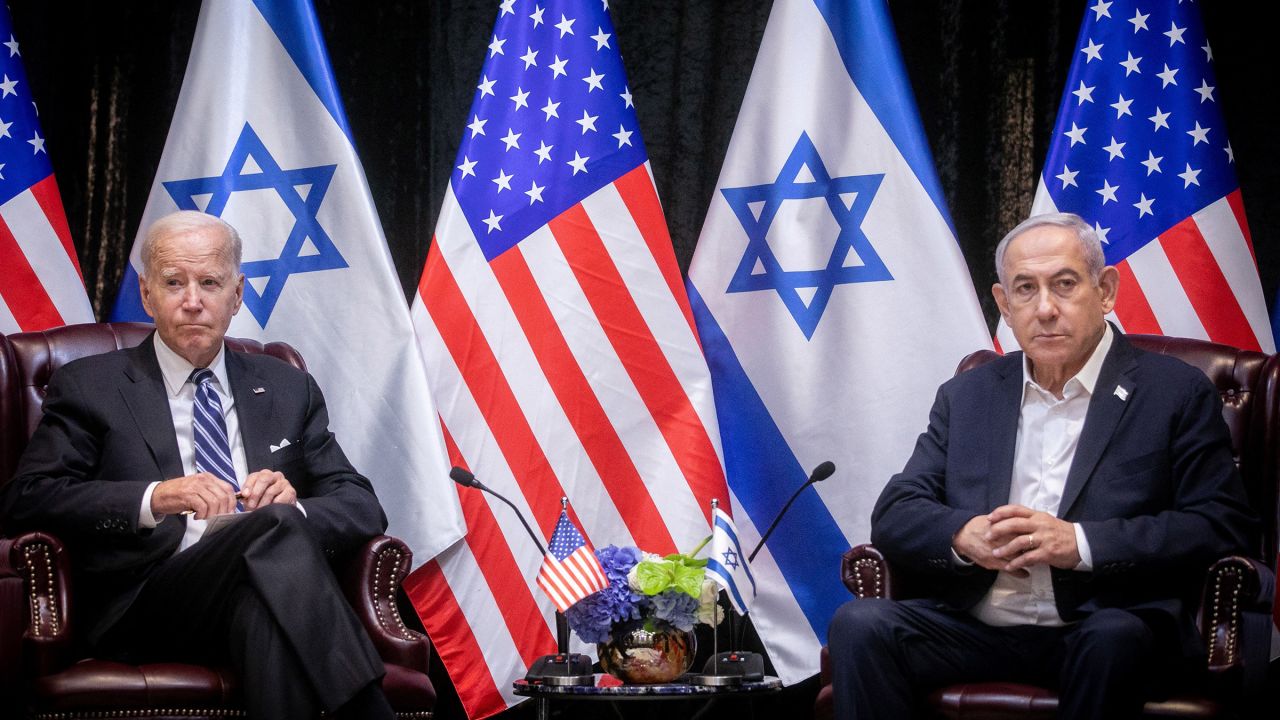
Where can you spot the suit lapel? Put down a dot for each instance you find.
(148, 403)
(253, 408)
(1006, 405)
(1111, 397)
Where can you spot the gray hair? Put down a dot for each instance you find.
(184, 221)
(1090, 244)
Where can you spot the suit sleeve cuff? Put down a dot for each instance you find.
(1082, 545)
(146, 519)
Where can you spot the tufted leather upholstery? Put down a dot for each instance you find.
(40, 662)
(1249, 383)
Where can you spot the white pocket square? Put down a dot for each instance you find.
(283, 444)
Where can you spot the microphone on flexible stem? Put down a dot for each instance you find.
(737, 666)
(820, 473)
(466, 479)
(564, 667)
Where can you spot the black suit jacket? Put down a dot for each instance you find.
(1153, 484)
(107, 433)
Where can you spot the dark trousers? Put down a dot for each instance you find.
(888, 656)
(258, 595)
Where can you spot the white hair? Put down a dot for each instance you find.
(184, 221)
(1090, 244)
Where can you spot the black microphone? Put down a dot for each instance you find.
(564, 667)
(466, 479)
(463, 477)
(820, 473)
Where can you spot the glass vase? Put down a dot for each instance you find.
(647, 651)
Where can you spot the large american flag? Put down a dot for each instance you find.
(1140, 150)
(40, 280)
(559, 341)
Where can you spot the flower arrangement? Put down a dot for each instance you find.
(645, 586)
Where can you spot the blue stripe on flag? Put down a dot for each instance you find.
(294, 22)
(128, 307)
(731, 587)
(863, 32)
(763, 472)
(732, 533)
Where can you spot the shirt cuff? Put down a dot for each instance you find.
(1082, 546)
(958, 559)
(145, 518)
(298, 504)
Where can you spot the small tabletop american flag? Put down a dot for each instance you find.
(570, 571)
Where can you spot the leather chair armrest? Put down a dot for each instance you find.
(1234, 587)
(371, 582)
(41, 561)
(866, 572)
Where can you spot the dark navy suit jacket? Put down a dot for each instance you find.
(1153, 484)
(107, 433)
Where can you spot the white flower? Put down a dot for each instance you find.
(709, 611)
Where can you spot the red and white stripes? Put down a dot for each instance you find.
(1198, 279)
(41, 286)
(572, 579)
(568, 365)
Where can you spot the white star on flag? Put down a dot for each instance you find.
(1180, 239)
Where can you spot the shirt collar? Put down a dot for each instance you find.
(1086, 378)
(177, 371)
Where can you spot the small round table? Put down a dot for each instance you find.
(609, 689)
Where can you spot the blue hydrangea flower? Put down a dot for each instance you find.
(675, 607)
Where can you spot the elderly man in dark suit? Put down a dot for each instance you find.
(143, 455)
(1059, 510)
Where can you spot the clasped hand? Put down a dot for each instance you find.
(1013, 538)
(205, 495)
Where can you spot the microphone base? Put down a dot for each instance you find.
(561, 669)
(732, 667)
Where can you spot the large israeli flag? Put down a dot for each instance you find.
(831, 298)
(259, 138)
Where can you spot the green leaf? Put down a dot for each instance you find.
(688, 580)
(654, 576)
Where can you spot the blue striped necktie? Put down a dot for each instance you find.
(213, 450)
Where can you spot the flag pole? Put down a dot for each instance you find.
(715, 626)
(562, 622)
(731, 667)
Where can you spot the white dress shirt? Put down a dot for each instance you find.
(1048, 434)
(177, 373)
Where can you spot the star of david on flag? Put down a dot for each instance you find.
(251, 167)
(727, 563)
(831, 299)
(259, 138)
(805, 177)
(1140, 151)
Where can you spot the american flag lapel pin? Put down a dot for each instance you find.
(1122, 393)
(259, 390)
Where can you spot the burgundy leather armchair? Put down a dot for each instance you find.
(1236, 603)
(42, 666)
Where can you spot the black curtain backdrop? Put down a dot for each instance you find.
(987, 76)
